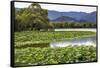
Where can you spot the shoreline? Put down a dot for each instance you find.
(77, 29)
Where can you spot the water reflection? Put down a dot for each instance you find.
(75, 41)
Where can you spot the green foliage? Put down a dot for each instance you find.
(31, 44)
(73, 25)
(31, 37)
(42, 56)
(31, 18)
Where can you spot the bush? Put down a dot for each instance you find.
(42, 56)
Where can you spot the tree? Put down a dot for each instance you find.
(31, 18)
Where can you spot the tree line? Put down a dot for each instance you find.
(73, 25)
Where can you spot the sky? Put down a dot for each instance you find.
(85, 2)
(60, 8)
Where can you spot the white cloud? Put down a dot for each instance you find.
(60, 8)
(85, 2)
(21, 4)
(67, 8)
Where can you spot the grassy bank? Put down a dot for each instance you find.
(44, 37)
(42, 56)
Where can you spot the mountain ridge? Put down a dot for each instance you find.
(79, 16)
(64, 19)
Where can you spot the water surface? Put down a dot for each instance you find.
(91, 40)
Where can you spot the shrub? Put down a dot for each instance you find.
(42, 56)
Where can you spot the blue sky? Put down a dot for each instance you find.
(60, 8)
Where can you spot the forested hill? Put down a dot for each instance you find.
(79, 16)
(64, 19)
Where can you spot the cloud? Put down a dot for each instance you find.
(60, 8)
